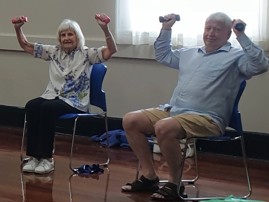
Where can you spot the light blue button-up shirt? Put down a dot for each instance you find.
(209, 82)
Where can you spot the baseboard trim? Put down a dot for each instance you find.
(256, 143)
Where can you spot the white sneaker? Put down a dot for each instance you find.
(44, 166)
(30, 165)
(190, 151)
(190, 148)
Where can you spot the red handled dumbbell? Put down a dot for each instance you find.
(19, 19)
(105, 20)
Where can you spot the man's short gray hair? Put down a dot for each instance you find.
(222, 17)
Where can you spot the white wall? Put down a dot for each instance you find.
(130, 83)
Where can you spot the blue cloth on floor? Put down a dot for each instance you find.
(89, 169)
(116, 138)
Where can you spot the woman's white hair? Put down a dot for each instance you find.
(73, 25)
(221, 17)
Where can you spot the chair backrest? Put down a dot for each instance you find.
(235, 121)
(97, 94)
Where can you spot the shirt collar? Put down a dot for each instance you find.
(64, 54)
(225, 48)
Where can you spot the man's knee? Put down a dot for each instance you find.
(130, 120)
(167, 129)
(137, 121)
(161, 130)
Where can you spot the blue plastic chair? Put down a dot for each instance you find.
(97, 99)
(235, 125)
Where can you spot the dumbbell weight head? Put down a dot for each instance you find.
(240, 26)
(161, 18)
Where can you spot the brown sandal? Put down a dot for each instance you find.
(142, 185)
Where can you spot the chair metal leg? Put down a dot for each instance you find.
(105, 164)
(188, 181)
(137, 170)
(72, 145)
(22, 157)
(76, 175)
(244, 158)
(107, 141)
(22, 187)
(193, 180)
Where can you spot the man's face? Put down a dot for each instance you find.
(215, 35)
(68, 40)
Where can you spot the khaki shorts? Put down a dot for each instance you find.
(195, 125)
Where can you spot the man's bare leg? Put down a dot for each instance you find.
(137, 125)
(168, 132)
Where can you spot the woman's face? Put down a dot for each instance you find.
(68, 40)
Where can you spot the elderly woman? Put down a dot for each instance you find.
(68, 88)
